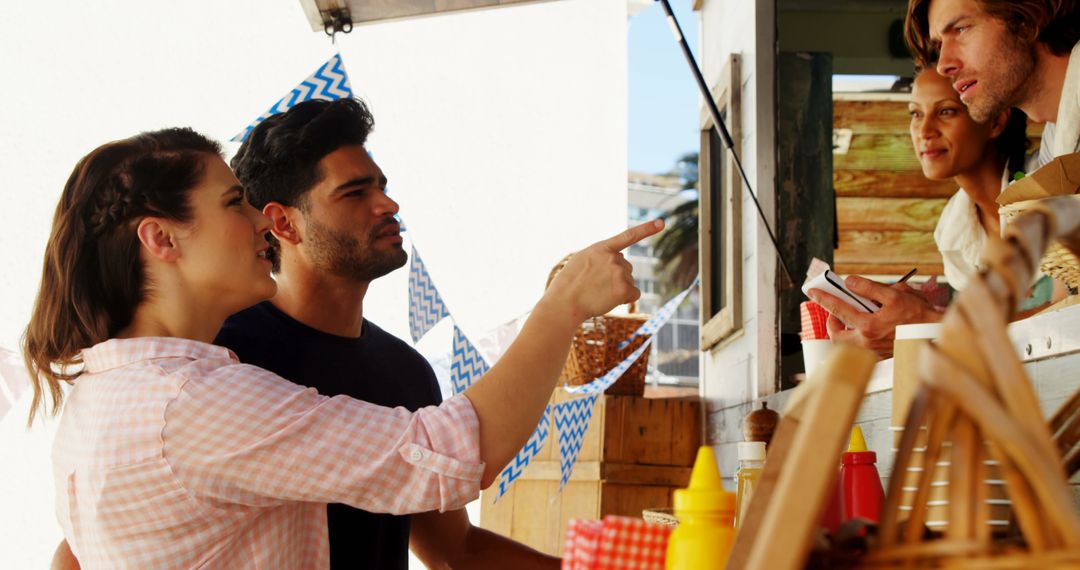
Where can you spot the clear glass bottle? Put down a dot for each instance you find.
(751, 462)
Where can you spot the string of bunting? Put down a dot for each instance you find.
(572, 417)
(662, 316)
(426, 309)
(329, 82)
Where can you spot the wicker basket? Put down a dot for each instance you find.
(660, 516)
(974, 393)
(1057, 262)
(595, 349)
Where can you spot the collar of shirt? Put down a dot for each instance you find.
(118, 352)
(960, 236)
(1067, 135)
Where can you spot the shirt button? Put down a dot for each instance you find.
(416, 455)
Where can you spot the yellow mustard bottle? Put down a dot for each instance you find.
(706, 512)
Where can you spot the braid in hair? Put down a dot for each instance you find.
(92, 279)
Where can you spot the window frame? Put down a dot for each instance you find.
(718, 327)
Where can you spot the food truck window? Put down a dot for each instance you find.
(721, 217)
(839, 66)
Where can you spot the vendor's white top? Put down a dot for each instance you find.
(1066, 134)
(960, 237)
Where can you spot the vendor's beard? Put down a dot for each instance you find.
(343, 255)
(1011, 87)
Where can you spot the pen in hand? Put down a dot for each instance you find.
(908, 275)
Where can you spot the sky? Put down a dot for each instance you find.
(663, 96)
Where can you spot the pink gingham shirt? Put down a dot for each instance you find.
(172, 454)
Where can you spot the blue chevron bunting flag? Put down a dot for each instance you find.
(467, 365)
(604, 382)
(329, 82)
(572, 421)
(662, 316)
(426, 307)
(523, 457)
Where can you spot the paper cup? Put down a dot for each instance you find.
(814, 353)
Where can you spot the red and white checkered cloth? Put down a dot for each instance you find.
(579, 550)
(616, 543)
(813, 321)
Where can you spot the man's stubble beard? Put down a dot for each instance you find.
(343, 255)
(1014, 86)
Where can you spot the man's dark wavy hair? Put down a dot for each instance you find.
(279, 161)
(1055, 23)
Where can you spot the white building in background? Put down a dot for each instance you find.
(502, 131)
(675, 357)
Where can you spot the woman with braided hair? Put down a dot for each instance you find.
(172, 454)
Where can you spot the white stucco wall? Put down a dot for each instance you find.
(502, 131)
(743, 367)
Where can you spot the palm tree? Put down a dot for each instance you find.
(677, 246)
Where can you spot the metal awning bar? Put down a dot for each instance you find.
(320, 13)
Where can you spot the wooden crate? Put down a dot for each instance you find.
(635, 452)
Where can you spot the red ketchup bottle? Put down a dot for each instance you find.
(862, 494)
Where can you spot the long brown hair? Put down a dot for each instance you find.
(1055, 23)
(93, 279)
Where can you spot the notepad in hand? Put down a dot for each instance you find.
(833, 284)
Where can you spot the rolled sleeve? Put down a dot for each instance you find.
(244, 435)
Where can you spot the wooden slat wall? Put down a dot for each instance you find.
(886, 209)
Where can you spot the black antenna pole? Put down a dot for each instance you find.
(721, 129)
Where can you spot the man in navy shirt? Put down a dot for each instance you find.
(334, 232)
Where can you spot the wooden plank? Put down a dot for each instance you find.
(889, 214)
(648, 428)
(536, 516)
(887, 117)
(890, 184)
(872, 117)
(653, 475)
(579, 500)
(551, 471)
(886, 247)
(878, 152)
(610, 473)
(687, 431)
(630, 500)
(894, 269)
(651, 431)
(497, 517)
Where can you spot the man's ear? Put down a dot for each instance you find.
(285, 221)
(156, 235)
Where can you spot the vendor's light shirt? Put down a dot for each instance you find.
(960, 237)
(1065, 137)
(172, 454)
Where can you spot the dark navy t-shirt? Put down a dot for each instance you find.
(377, 367)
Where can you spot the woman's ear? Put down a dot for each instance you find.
(998, 126)
(285, 220)
(157, 237)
